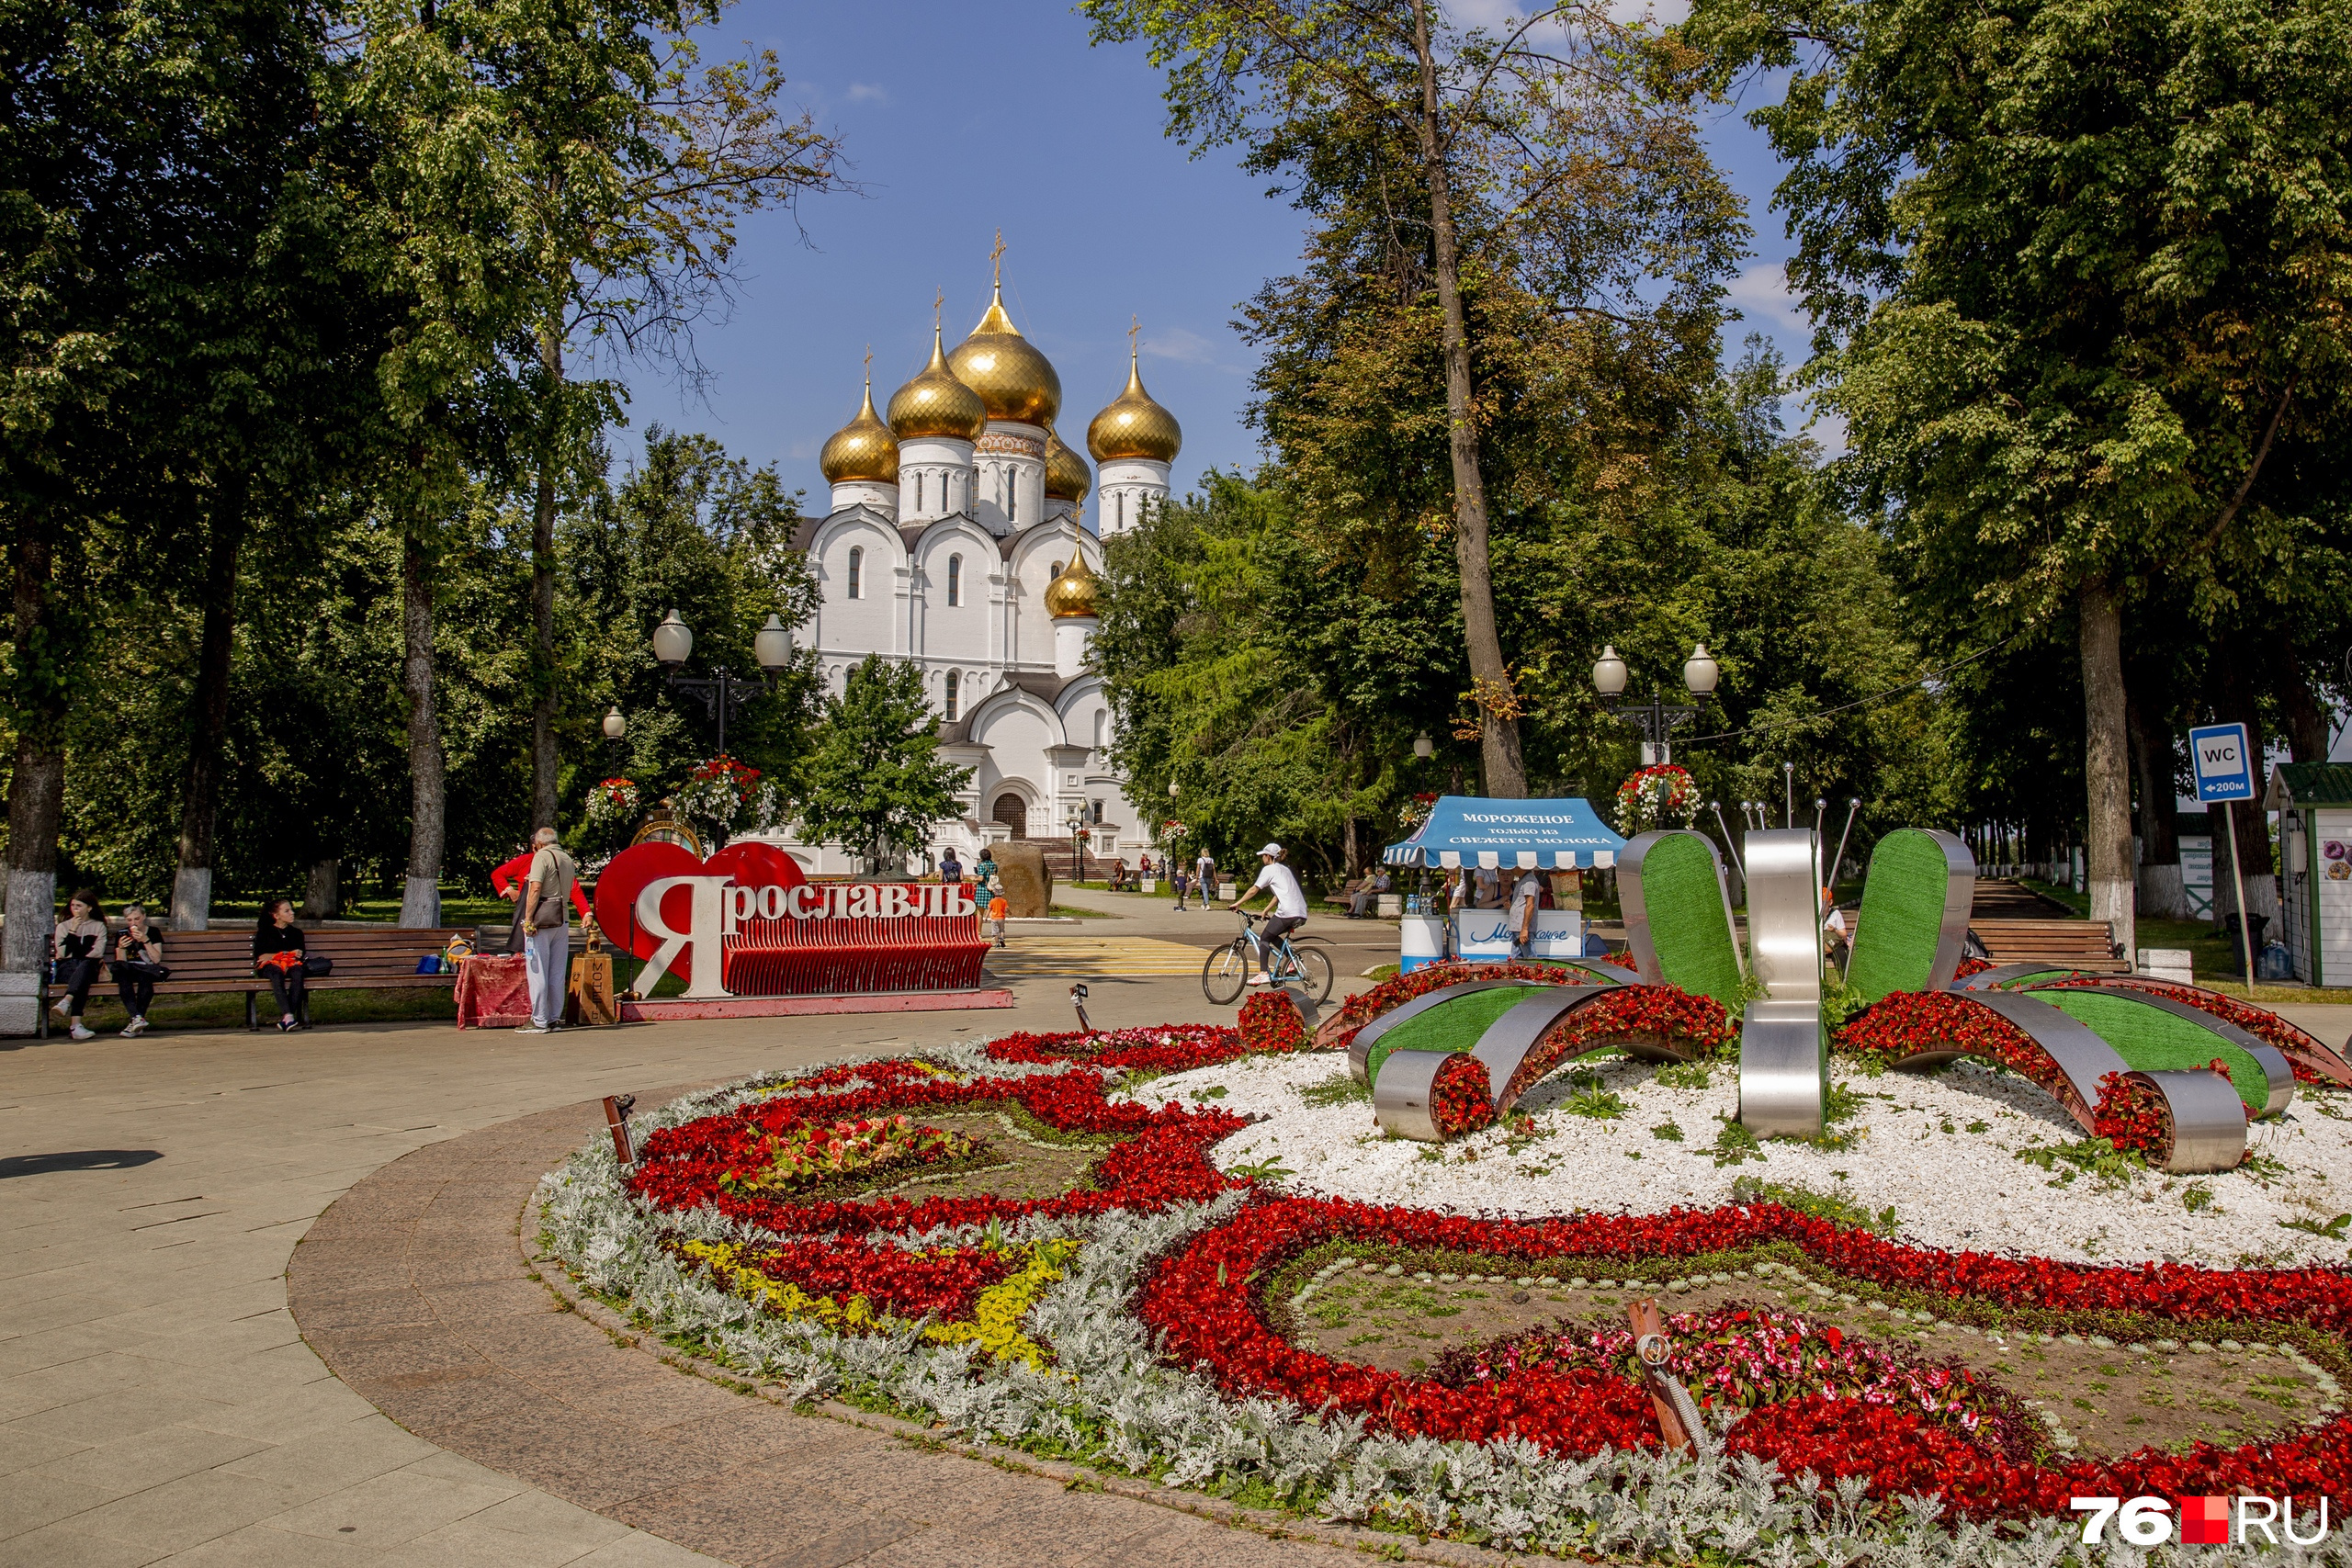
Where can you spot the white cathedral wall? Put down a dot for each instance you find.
(1016, 735)
(869, 623)
(958, 632)
(934, 478)
(1127, 484)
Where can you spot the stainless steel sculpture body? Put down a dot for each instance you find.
(1637, 908)
(2207, 1117)
(1960, 897)
(1403, 1091)
(1360, 1048)
(1784, 1054)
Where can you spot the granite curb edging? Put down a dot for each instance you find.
(423, 1289)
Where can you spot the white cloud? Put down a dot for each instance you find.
(867, 93)
(1761, 293)
(1185, 347)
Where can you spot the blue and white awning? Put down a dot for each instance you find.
(1526, 835)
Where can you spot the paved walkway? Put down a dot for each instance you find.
(156, 1402)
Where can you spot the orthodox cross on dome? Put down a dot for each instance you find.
(1135, 325)
(869, 366)
(995, 262)
(938, 301)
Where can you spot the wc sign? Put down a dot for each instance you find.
(2224, 764)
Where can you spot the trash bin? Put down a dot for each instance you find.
(2237, 951)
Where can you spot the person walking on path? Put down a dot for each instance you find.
(1176, 880)
(277, 952)
(81, 939)
(547, 930)
(137, 965)
(1281, 883)
(997, 910)
(508, 880)
(1204, 872)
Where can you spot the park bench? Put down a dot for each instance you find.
(366, 959)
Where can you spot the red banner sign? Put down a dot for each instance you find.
(749, 922)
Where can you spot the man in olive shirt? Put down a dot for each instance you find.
(546, 931)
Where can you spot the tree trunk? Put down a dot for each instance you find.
(37, 788)
(2161, 890)
(543, 748)
(2306, 725)
(324, 897)
(2107, 774)
(1506, 768)
(208, 709)
(420, 899)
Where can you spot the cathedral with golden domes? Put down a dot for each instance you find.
(957, 541)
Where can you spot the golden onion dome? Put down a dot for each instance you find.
(862, 449)
(1067, 476)
(1015, 381)
(935, 403)
(1072, 593)
(1134, 426)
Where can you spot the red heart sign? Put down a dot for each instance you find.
(750, 863)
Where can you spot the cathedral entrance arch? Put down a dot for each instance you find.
(1013, 813)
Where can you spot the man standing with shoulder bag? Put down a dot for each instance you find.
(546, 931)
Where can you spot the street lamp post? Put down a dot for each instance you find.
(721, 693)
(1076, 853)
(1656, 719)
(616, 726)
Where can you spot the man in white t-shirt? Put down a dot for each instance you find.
(1281, 883)
(1526, 897)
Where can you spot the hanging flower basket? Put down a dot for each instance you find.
(1662, 797)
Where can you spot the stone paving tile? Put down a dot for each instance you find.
(69, 1546)
(133, 1463)
(193, 1509)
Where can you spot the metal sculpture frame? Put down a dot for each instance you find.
(1360, 1048)
(1783, 1051)
(1959, 896)
(2207, 1117)
(1403, 1093)
(1636, 908)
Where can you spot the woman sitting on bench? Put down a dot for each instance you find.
(277, 952)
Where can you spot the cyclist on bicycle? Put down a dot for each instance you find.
(1281, 884)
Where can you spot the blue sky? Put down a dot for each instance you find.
(960, 121)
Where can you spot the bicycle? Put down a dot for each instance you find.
(1227, 970)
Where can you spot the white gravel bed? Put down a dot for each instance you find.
(1939, 1149)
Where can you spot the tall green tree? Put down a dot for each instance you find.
(1531, 154)
(169, 246)
(685, 528)
(2078, 270)
(873, 782)
(634, 162)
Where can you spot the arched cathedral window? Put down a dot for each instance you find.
(955, 590)
(857, 569)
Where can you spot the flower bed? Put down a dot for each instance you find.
(1147, 1318)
